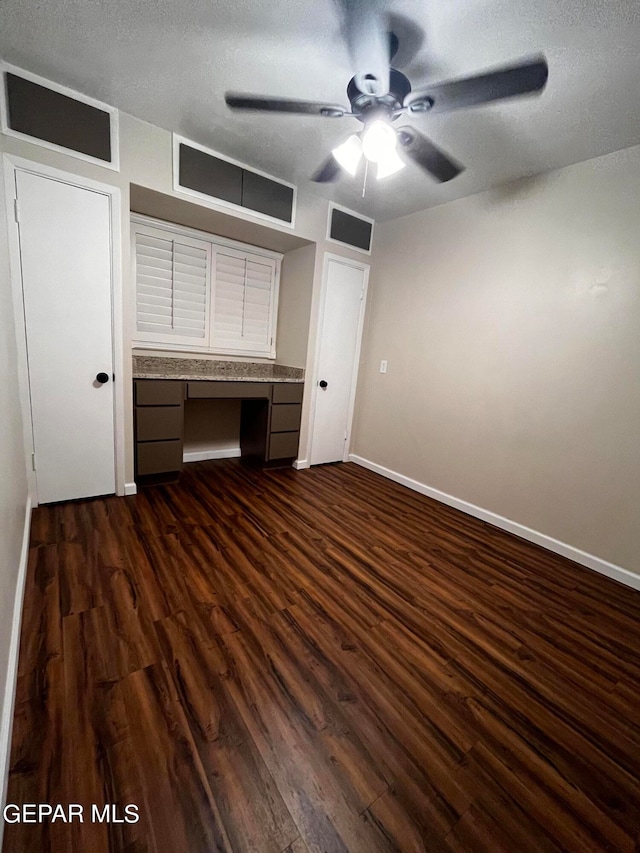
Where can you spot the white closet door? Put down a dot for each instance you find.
(65, 249)
(339, 353)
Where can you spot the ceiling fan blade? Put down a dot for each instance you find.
(257, 103)
(368, 42)
(427, 155)
(328, 172)
(523, 79)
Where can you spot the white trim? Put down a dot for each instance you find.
(562, 548)
(219, 203)
(203, 455)
(9, 698)
(130, 489)
(114, 123)
(328, 257)
(299, 464)
(13, 164)
(333, 206)
(15, 271)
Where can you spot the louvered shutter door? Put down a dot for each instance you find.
(154, 284)
(189, 290)
(172, 275)
(244, 302)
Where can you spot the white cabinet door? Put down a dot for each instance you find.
(245, 303)
(172, 287)
(340, 335)
(65, 249)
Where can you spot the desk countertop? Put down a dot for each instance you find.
(194, 369)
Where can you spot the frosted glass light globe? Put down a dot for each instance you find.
(378, 141)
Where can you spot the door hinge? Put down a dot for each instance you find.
(16, 210)
(33, 461)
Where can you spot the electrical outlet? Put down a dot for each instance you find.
(383, 367)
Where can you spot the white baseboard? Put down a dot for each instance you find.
(6, 720)
(299, 464)
(589, 560)
(203, 455)
(130, 489)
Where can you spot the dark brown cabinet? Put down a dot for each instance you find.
(159, 428)
(269, 425)
(284, 421)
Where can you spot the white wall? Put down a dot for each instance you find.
(13, 491)
(511, 324)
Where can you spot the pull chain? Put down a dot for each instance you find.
(366, 172)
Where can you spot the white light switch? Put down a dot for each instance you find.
(383, 367)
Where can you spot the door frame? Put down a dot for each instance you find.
(360, 265)
(12, 165)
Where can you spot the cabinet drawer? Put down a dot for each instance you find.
(157, 422)
(159, 392)
(287, 392)
(159, 457)
(283, 445)
(230, 390)
(285, 417)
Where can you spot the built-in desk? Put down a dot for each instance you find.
(270, 412)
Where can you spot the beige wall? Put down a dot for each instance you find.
(13, 480)
(294, 309)
(511, 323)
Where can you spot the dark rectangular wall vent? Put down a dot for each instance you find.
(210, 175)
(216, 177)
(350, 229)
(50, 116)
(267, 196)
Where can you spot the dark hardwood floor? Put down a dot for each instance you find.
(319, 661)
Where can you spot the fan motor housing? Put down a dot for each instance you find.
(366, 106)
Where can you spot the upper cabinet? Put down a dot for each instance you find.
(203, 293)
(224, 182)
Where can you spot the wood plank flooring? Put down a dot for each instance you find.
(316, 662)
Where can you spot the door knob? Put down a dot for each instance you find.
(323, 384)
(102, 378)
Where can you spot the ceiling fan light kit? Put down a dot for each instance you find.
(349, 154)
(377, 143)
(379, 95)
(389, 165)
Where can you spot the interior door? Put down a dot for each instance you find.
(65, 250)
(341, 324)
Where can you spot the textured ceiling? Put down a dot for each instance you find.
(169, 62)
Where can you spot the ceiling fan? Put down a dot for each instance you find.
(379, 95)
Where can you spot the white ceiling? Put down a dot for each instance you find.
(170, 61)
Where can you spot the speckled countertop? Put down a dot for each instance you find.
(165, 367)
